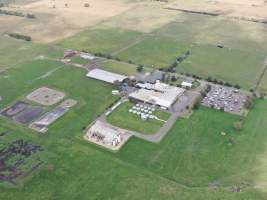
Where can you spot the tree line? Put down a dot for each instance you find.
(16, 13)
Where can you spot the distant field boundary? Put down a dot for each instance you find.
(218, 14)
(194, 12)
(17, 13)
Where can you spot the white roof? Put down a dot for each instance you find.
(87, 56)
(158, 86)
(50, 117)
(187, 84)
(106, 76)
(164, 99)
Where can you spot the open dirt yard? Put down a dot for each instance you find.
(46, 96)
(62, 18)
(245, 9)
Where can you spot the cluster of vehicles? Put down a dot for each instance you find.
(227, 99)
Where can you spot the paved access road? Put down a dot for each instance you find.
(176, 111)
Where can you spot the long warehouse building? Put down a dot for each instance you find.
(106, 76)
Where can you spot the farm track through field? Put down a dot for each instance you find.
(261, 75)
(137, 41)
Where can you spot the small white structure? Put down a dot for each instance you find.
(115, 92)
(106, 76)
(186, 84)
(87, 56)
(144, 117)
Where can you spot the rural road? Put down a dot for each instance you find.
(177, 111)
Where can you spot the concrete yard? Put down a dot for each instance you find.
(46, 96)
(106, 132)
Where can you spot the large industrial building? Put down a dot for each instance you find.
(106, 76)
(159, 94)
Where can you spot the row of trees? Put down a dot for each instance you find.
(173, 66)
(109, 56)
(215, 81)
(16, 13)
(212, 80)
(20, 36)
(139, 68)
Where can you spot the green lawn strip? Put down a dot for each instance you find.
(122, 118)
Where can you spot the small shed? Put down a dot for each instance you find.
(187, 84)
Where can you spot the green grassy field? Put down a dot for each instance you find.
(233, 66)
(13, 51)
(101, 40)
(155, 52)
(119, 67)
(122, 118)
(240, 62)
(195, 153)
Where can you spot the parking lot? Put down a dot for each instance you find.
(227, 99)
